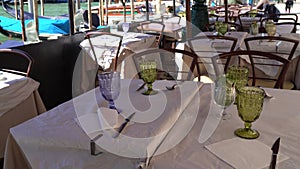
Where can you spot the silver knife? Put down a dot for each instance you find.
(123, 125)
(275, 150)
(277, 45)
(141, 87)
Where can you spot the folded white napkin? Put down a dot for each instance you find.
(103, 119)
(242, 153)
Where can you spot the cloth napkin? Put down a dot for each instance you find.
(242, 153)
(103, 119)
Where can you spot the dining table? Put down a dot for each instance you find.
(86, 67)
(19, 102)
(172, 29)
(189, 136)
(224, 149)
(60, 138)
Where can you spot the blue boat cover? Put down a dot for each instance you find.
(49, 26)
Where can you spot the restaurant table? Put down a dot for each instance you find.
(86, 68)
(59, 138)
(171, 29)
(19, 101)
(279, 118)
(55, 140)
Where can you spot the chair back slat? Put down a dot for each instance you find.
(281, 67)
(15, 61)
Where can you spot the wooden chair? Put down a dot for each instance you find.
(15, 61)
(218, 44)
(104, 48)
(167, 67)
(245, 20)
(278, 45)
(282, 20)
(233, 26)
(169, 39)
(154, 28)
(256, 58)
(255, 43)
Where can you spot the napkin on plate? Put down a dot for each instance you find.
(242, 153)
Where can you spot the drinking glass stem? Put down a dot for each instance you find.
(112, 105)
(149, 85)
(224, 112)
(247, 125)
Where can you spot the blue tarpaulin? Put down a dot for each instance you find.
(49, 26)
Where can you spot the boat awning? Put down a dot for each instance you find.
(49, 26)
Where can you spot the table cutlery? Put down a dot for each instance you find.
(173, 86)
(266, 94)
(141, 87)
(277, 45)
(123, 125)
(275, 149)
(93, 145)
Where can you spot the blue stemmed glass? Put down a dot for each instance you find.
(109, 83)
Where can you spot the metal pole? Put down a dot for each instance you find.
(188, 31)
(132, 9)
(188, 11)
(42, 7)
(16, 9)
(174, 7)
(35, 16)
(71, 17)
(106, 11)
(30, 6)
(147, 10)
(22, 20)
(90, 15)
(101, 12)
(124, 9)
(226, 10)
(77, 4)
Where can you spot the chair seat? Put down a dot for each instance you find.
(270, 83)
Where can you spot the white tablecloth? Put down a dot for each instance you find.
(279, 118)
(86, 68)
(19, 101)
(55, 140)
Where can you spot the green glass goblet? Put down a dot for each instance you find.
(253, 13)
(270, 28)
(149, 75)
(223, 28)
(254, 28)
(238, 75)
(249, 105)
(217, 26)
